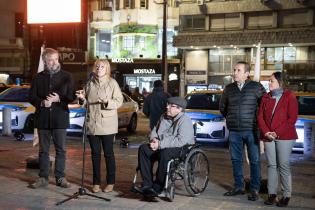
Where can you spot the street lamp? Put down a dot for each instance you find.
(164, 46)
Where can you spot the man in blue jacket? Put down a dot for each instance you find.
(51, 92)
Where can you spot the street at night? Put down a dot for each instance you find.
(15, 178)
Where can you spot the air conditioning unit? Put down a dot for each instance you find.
(200, 2)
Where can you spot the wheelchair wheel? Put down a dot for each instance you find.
(196, 173)
(170, 190)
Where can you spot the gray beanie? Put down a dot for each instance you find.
(179, 101)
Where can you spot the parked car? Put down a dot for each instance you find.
(203, 106)
(22, 114)
(306, 103)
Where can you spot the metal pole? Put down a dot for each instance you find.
(164, 46)
(6, 122)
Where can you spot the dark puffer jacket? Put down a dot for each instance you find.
(57, 116)
(239, 107)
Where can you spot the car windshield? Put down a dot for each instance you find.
(15, 95)
(306, 105)
(208, 101)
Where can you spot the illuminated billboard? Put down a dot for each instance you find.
(53, 11)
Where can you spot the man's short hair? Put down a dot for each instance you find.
(49, 51)
(247, 66)
(158, 83)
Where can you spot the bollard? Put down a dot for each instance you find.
(6, 122)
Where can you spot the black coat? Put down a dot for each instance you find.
(56, 116)
(240, 107)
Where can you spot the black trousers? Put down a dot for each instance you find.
(146, 159)
(96, 144)
(58, 136)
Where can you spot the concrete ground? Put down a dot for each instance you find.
(15, 178)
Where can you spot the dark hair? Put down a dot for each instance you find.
(158, 83)
(280, 77)
(247, 66)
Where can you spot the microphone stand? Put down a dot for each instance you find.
(82, 190)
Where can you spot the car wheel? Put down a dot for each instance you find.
(29, 124)
(132, 124)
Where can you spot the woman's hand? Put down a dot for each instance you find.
(270, 136)
(80, 94)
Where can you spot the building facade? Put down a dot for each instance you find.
(129, 33)
(215, 34)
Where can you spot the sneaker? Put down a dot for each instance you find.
(272, 199)
(109, 188)
(96, 188)
(40, 182)
(62, 182)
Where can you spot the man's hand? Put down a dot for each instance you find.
(154, 144)
(46, 103)
(53, 97)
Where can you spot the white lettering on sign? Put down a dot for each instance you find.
(67, 56)
(122, 60)
(144, 71)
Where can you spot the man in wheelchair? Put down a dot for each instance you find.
(173, 131)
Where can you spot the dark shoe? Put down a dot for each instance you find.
(62, 182)
(283, 202)
(40, 182)
(272, 199)
(136, 189)
(253, 196)
(234, 192)
(149, 192)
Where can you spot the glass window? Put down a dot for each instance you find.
(15, 95)
(225, 21)
(306, 105)
(129, 4)
(104, 42)
(117, 4)
(193, 22)
(105, 4)
(144, 4)
(259, 20)
(203, 101)
(296, 17)
(289, 53)
(128, 43)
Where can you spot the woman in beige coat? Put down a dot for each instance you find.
(102, 97)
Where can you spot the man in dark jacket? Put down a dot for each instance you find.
(155, 104)
(239, 105)
(50, 93)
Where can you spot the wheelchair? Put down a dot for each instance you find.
(192, 166)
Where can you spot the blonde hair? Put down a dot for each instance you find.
(107, 66)
(49, 51)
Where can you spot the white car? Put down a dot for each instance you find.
(203, 109)
(127, 116)
(22, 112)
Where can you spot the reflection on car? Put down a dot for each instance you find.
(203, 105)
(306, 103)
(22, 112)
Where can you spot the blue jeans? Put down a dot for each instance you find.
(237, 141)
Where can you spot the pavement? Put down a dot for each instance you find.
(15, 178)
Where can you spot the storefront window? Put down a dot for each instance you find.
(128, 43)
(103, 44)
(289, 54)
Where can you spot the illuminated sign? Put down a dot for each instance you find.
(122, 60)
(144, 71)
(72, 56)
(56, 11)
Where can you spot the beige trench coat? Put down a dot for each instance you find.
(102, 119)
